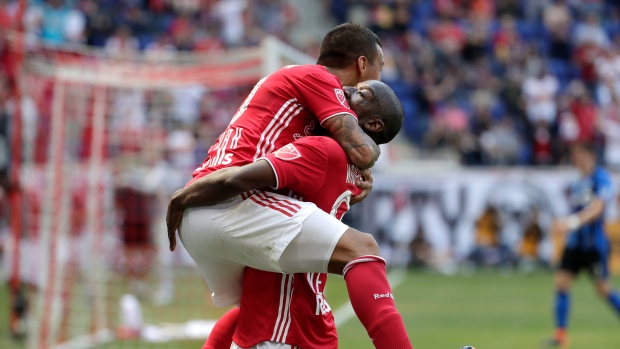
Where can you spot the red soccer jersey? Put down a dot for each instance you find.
(284, 106)
(291, 308)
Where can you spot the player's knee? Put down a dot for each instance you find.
(562, 281)
(561, 286)
(367, 246)
(352, 244)
(602, 289)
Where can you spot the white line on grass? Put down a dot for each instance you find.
(345, 312)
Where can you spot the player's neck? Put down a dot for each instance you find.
(346, 76)
(587, 170)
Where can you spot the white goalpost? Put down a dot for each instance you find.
(104, 142)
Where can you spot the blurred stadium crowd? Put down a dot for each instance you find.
(158, 25)
(501, 82)
(493, 82)
(506, 82)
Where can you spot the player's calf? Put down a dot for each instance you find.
(373, 302)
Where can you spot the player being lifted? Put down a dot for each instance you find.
(290, 309)
(587, 246)
(285, 106)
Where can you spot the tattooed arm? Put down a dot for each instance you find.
(361, 149)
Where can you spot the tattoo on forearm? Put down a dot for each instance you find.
(346, 130)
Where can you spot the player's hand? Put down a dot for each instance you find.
(365, 185)
(173, 219)
(560, 227)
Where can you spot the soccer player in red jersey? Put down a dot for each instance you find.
(290, 309)
(295, 100)
(285, 106)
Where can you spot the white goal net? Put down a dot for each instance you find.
(103, 143)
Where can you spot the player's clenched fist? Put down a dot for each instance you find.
(365, 185)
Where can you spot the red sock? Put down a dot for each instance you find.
(373, 302)
(221, 337)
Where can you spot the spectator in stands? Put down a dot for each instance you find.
(230, 14)
(510, 8)
(481, 9)
(510, 92)
(122, 43)
(542, 143)
(557, 16)
(273, 16)
(448, 36)
(206, 36)
(607, 67)
(447, 126)
(186, 104)
(539, 92)
(161, 47)
(8, 10)
(56, 23)
(591, 31)
(568, 130)
(501, 143)
(99, 23)
(590, 41)
(533, 9)
(585, 111)
(507, 41)
(557, 20)
(609, 126)
(594, 6)
(448, 8)
(477, 40)
(182, 32)
(138, 20)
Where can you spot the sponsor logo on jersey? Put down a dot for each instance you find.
(288, 153)
(383, 295)
(340, 96)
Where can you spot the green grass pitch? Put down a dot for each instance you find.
(486, 310)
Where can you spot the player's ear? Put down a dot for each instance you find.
(362, 65)
(374, 124)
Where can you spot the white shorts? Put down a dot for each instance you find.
(267, 231)
(266, 345)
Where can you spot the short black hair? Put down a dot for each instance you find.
(344, 44)
(388, 107)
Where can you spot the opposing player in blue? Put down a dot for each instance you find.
(587, 246)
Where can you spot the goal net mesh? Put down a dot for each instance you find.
(103, 143)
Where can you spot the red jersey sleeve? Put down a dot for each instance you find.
(301, 166)
(322, 94)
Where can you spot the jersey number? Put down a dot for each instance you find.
(342, 205)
